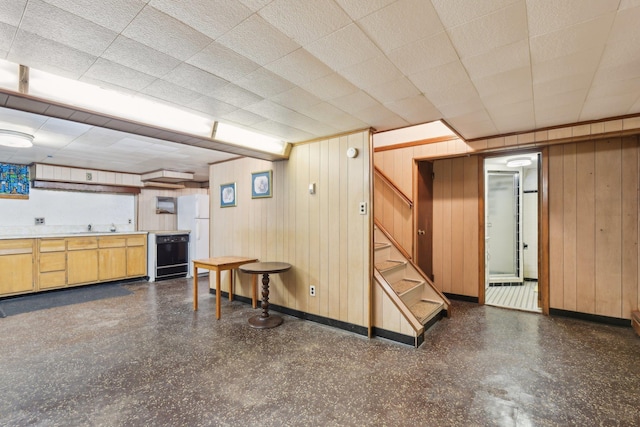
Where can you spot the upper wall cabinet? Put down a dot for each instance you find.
(44, 172)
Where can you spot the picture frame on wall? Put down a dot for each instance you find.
(261, 184)
(228, 195)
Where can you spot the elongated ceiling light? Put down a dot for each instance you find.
(238, 136)
(518, 162)
(10, 138)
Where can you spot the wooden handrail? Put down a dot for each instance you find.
(393, 186)
(393, 241)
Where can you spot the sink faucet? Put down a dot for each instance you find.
(113, 228)
(89, 227)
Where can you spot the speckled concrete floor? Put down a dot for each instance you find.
(148, 360)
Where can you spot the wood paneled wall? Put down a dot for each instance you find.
(148, 219)
(456, 225)
(322, 235)
(593, 227)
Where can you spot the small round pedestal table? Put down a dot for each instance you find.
(265, 320)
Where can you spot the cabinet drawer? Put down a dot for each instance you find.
(80, 243)
(112, 242)
(54, 279)
(53, 261)
(53, 245)
(136, 240)
(16, 246)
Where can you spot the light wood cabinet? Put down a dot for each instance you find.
(29, 265)
(112, 258)
(52, 265)
(82, 260)
(136, 256)
(16, 266)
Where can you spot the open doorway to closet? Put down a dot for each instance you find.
(511, 204)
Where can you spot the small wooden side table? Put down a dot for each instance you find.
(219, 264)
(264, 320)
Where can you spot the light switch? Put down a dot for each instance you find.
(312, 188)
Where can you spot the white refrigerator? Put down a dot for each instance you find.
(193, 215)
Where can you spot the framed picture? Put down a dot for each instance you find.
(228, 195)
(261, 184)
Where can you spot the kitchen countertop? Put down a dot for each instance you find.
(78, 234)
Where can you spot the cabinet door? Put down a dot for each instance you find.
(16, 266)
(112, 263)
(82, 266)
(136, 261)
(53, 270)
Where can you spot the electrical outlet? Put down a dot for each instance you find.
(312, 291)
(39, 221)
(89, 176)
(129, 220)
(363, 208)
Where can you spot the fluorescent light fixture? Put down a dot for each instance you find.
(9, 75)
(237, 136)
(518, 162)
(132, 107)
(11, 138)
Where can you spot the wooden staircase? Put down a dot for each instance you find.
(412, 288)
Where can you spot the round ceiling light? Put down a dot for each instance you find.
(11, 138)
(518, 162)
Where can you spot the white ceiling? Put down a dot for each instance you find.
(302, 69)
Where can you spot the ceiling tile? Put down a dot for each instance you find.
(371, 72)
(382, 116)
(590, 36)
(195, 79)
(264, 83)
(258, 41)
(457, 12)
(299, 67)
(47, 55)
(392, 91)
(65, 28)
(166, 34)
(358, 8)
(423, 54)
(223, 62)
(446, 84)
(345, 47)
(11, 11)
(211, 17)
(117, 74)
(548, 16)
(170, 92)
(211, 106)
(355, 102)
(242, 117)
(283, 131)
(575, 63)
(416, 109)
(330, 87)
(255, 5)
(548, 88)
(511, 80)
(235, 95)
(501, 59)
(503, 27)
(303, 21)
(7, 32)
(296, 99)
(112, 14)
(140, 57)
(400, 23)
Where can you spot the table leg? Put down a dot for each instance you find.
(231, 284)
(218, 293)
(264, 320)
(254, 290)
(195, 288)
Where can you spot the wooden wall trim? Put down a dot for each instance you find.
(415, 143)
(543, 230)
(90, 188)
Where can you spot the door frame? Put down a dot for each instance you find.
(543, 223)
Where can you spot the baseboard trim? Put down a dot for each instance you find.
(360, 330)
(615, 321)
(458, 297)
(400, 338)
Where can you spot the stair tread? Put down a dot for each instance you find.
(402, 286)
(381, 245)
(389, 264)
(424, 309)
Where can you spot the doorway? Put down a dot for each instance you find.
(511, 231)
